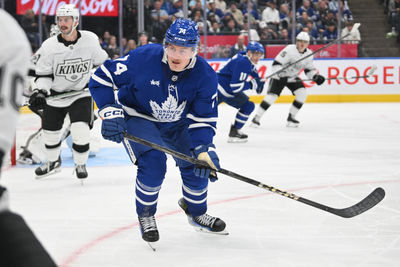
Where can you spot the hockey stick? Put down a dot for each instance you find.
(368, 202)
(356, 26)
(369, 74)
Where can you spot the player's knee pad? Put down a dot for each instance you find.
(270, 99)
(301, 95)
(52, 138)
(247, 108)
(152, 167)
(80, 133)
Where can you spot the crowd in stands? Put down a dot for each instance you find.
(270, 21)
(392, 9)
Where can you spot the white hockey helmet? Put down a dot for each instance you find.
(303, 36)
(68, 10)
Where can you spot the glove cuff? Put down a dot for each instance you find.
(111, 112)
(203, 148)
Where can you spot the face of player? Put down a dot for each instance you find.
(66, 25)
(178, 56)
(301, 45)
(255, 57)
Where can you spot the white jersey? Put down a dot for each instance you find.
(64, 67)
(15, 52)
(289, 55)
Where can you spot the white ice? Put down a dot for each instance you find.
(337, 156)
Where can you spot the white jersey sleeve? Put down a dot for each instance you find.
(15, 53)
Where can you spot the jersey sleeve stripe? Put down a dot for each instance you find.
(200, 125)
(197, 119)
(101, 81)
(107, 73)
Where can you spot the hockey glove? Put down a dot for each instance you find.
(38, 99)
(3, 199)
(319, 79)
(114, 123)
(206, 153)
(260, 86)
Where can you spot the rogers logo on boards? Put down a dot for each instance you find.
(87, 7)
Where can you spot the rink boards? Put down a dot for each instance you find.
(382, 86)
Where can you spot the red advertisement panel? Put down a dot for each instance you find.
(106, 8)
(218, 46)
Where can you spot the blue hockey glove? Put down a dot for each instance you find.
(114, 123)
(260, 86)
(206, 153)
(319, 79)
(38, 99)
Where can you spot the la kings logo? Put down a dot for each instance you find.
(73, 69)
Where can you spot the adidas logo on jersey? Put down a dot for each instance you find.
(153, 82)
(73, 69)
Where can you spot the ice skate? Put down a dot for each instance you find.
(148, 228)
(292, 122)
(236, 136)
(25, 157)
(254, 123)
(80, 171)
(48, 168)
(204, 223)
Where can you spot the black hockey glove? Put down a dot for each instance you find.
(319, 79)
(206, 153)
(38, 99)
(3, 199)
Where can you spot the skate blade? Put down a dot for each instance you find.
(253, 125)
(38, 177)
(206, 231)
(152, 246)
(292, 124)
(236, 140)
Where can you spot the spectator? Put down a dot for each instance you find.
(143, 38)
(284, 16)
(30, 27)
(239, 46)
(271, 34)
(394, 14)
(231, 27)
(346, 13)
(330, 33)
(306, 7)
(176, 7)
(166, 5)
(284, 37)
(254, 17)
(212, 8)
(270, 15)
(131, 45)
(106, 39)
(215, 28)
(236, 13)
(112, 48)
(307, 30)
(354, 37)
(253, 33)
(160, 20)
(221, 4)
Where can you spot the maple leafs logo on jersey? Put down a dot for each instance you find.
(169, 110)
(73, 69)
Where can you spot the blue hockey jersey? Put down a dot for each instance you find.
(232, 77)
(147, 88)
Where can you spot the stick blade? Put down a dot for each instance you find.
(367, 203)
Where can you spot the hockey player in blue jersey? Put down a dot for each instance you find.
(167, 95)
(232, 82)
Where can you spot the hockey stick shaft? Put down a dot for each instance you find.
(313, 53)
(371, 200)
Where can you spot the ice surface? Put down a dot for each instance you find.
(337, 156)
